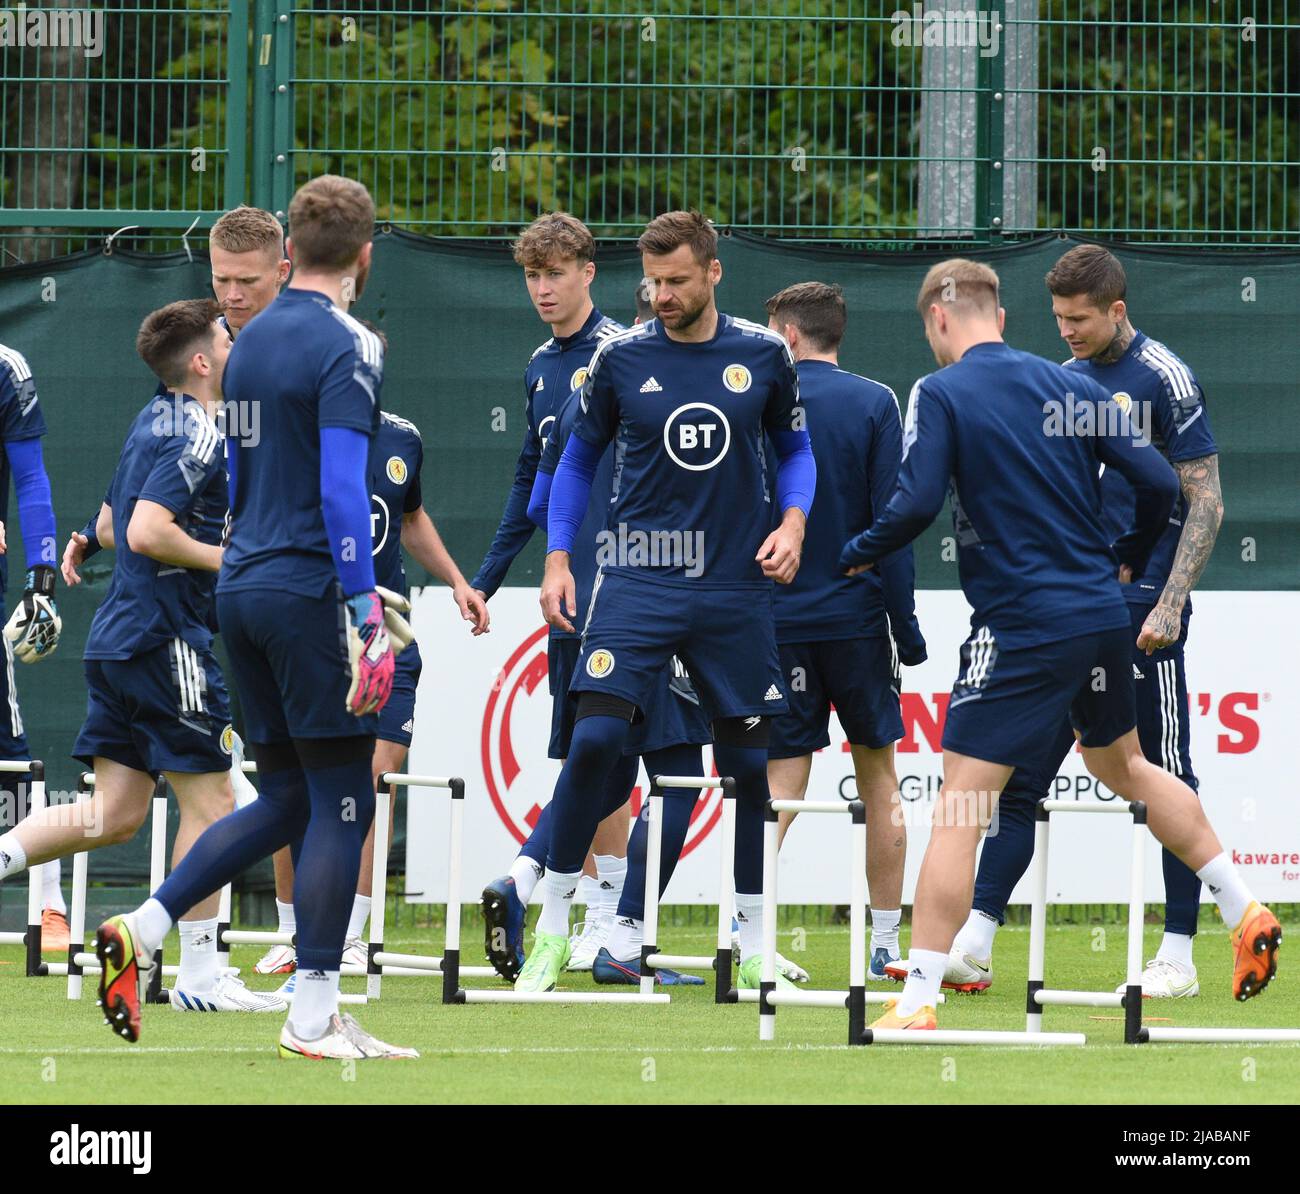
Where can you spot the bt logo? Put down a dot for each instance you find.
(697, 436)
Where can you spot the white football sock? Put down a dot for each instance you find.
(152, 924)
(749, 912)
(285, 912)
(315, 1000)
(13, 858)
(975, 937)
(360, 911)
(1176, 947)
(198, 968)
(925, 969)
(557, 898)
(588, 893)
(884, 929)
(1227, 888)
(611, 873)
(51, 891)
(625, 941)
(526, 873)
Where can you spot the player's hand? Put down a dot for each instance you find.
(396, 607)
(4, 546)
(559, 594)
(1125, 574)
(1162, 627)
(779, 556)
(473, 608)
(35, 625)
(370, 656)
(74, 555)
(858, 569)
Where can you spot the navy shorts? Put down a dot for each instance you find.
(1008, 706)
(858, 676)
(725, 636)
(13, 741)
(289, 657)
(163, 710)
(674, 716)
(397, 717)
(1164, 723)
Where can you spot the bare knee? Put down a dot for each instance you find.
(122, 821)
(1116, 765)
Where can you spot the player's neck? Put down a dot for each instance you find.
(704, 328)
(571, 327)
(831, 358)
(330, 285)
(203, 394)
(1119, 345)
(966, 338)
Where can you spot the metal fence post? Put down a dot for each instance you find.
(282, 114)
(236, 178)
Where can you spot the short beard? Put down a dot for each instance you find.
(689, 317)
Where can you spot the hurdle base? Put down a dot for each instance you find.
(968, 1036)
(467, 996)
(1054, 998)
(1211, 1036)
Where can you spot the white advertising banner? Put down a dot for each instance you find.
(483, 713)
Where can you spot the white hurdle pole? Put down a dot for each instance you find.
(157, 873)
(80, 880)
(31, 936)
(767, 975)
(378, 887)
(654, 812)
(1038, 995)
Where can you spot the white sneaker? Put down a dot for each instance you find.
(1163, 979)
(229, 995)
(343, 1040)
(279, 959)
(967, 973)
(355, 953)
(585, 945)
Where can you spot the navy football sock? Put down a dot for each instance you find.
(747, 765)
(342, 807)
(539, 840)
(1182, 896)
(581, 792)
(233, 844)
(678, 805)
(1007, 853)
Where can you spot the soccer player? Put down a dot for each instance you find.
(156, 701)
(1088, 288)
(33, 631)
(834, 631)
(557, 253)
(246, 249)
(668, 739)
(302, 622)
(690, 397)
(395, 498)
(1018, 441)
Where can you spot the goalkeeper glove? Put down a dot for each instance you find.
(400, 634)
(370, 657)
(34, 626)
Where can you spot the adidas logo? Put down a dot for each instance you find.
(650, 386)
(409, 726)
(1213, 890)
(627, 922)
(537, 867)
(606, 885)
(541, 385)
(773, 694)
(915, 973)
(1137, 672)
(206, 939)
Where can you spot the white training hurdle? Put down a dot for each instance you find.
(724, 991)
(31, 937)
(1039, 995)
(856, 998)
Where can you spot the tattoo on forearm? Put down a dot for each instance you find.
(1200, 484)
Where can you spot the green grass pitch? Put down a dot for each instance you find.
(691, 1051)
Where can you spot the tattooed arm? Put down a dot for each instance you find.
(1199, 479)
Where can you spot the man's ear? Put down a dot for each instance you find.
(1002, 320)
